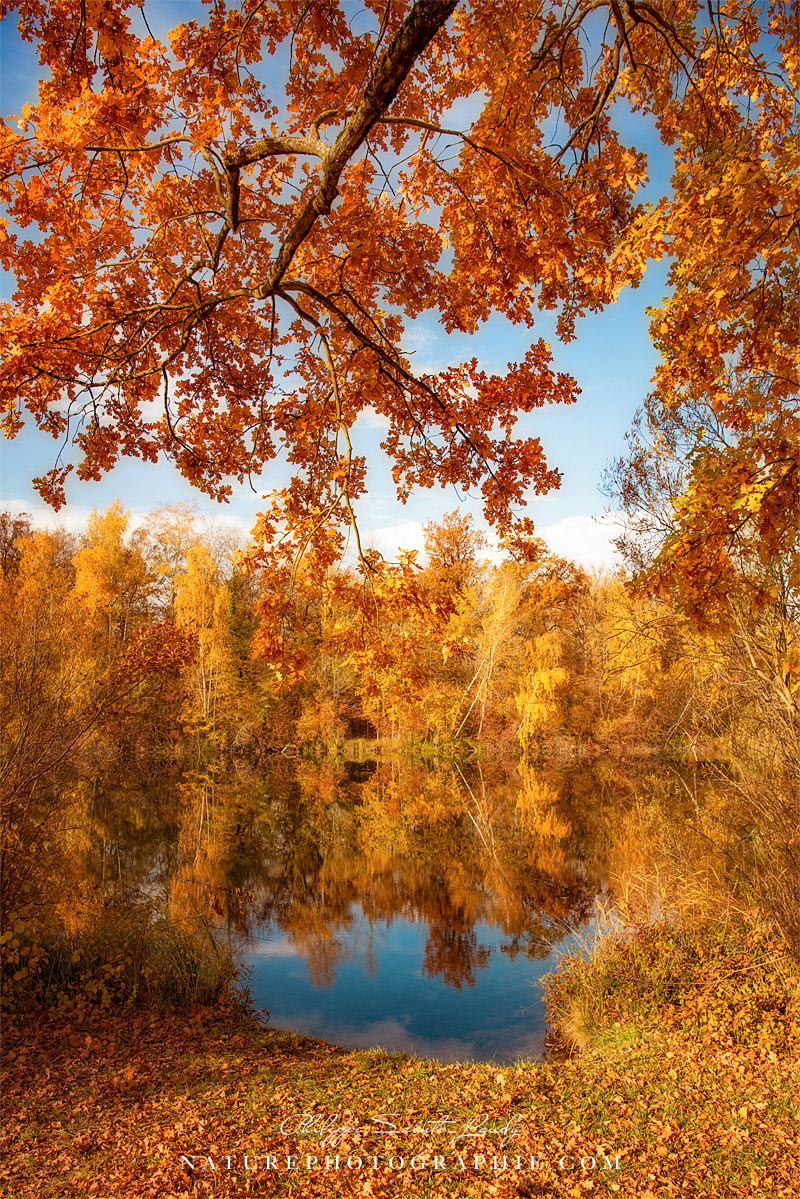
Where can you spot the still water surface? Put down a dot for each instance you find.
(415, 908)
(387, 903)
(383, 994)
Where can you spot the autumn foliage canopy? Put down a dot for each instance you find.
(219, 235)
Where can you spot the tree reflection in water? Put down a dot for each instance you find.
(301, 849)
(379, 879)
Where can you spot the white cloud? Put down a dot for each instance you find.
(282, 947)
(406, 535)
(418, 338)
(72, 518)
(586, 540)
(371, 419)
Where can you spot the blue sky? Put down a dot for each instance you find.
(612, 359)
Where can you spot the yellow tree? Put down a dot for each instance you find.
(166, 538)
(555, 596)
(112, 584)
(489, 620)
(202, 604)
(42, 721)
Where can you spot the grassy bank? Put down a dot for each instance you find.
(672, 1102)
(131, 954)
(705, 982)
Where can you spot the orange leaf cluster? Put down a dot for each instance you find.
(219, 238)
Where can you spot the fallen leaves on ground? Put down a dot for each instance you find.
(125, 1105)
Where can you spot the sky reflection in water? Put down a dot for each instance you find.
(416, 907)
(386, 1000)
(395, 903)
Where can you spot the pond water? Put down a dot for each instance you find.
(383, 992)
(383, 903)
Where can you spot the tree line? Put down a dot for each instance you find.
(156, 632)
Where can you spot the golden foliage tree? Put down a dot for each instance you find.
(202, 604)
